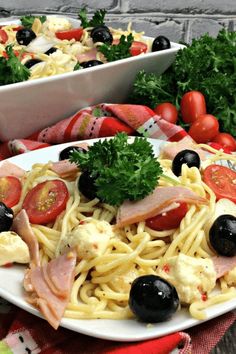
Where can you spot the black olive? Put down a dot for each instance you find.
(65, 153)
(101, 34)
(188, 157)
(222, 235)
(25, 35)
(153, 299)
(6, 217)
(90, 63)
(32, 62)
(87, 186)
(51, 50)
(160, 43)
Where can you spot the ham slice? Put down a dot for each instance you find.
(8, 168)
(223, 265)
(64, 168)
(131, 212)
(59, 275)
(170, 150)
(21, 226)
(89, 55)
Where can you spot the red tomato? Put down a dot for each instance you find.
(138, 48)
(169, 220)
(3, 36)
(221, 180)
(219, 147)
(192, 105)
(46, 201)
(226, 141)
(204, 129)
(10, 190)
(167, 111)
(74, 33)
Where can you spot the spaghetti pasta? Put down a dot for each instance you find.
(103, 280)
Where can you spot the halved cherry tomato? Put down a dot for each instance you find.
(169, 220)
(204, 129)
(138, 48)
(10, 190)
(167, 111)
(226, 141)
(74, 33)
(221, 180)
(3, 36)
(46, 201)
(192, 105)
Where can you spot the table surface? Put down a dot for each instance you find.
(227, 344)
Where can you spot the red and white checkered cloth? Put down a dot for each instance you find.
(21, 332)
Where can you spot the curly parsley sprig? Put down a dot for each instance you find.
(97, 19)
(28, 20)
(117, 51)
(121, 170)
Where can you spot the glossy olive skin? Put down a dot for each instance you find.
(51, 50)
(86, 185)
(32, 62)
(90, 63)
(25, 35)
(160, 43)
(101, 34)
(6, 217)
(222, 235)
(152, 299)
(65, 153)
(188, 157)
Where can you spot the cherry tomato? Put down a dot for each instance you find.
(167, 111)
(204, 129)
(226, 141)
(3, 36)
(169, 220)
(219, 147)
(74, 33)
(138, 48)
(192, 105)
(221, 180)
(10, 190)
(46, 201)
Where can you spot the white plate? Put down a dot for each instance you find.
(11, 287)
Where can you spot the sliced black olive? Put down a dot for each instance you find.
(222, 235)
(25, 35)
(6, 217)
(51, 50)
(65, 153)
(32, 62)
(87, 186)
(188, 157)
(160, 43)
(90, 63)
(153, 299)
(101, 34)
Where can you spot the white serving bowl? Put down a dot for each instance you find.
(29, 106)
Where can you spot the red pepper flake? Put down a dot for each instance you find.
(166, 268)
(204, 297)
(203, 294)
(82, 222)
(8, 265)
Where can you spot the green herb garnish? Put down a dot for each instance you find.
(77, 67)
(207, 65)
(117, 51)
(97, 19)
(11, 69)
(27, 21)
(121, 170)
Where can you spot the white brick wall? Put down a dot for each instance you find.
(178, 20)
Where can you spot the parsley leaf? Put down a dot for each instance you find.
(121, 170)
(27, 21)
(206, 65)
(77, 67)
(97, 19)
(117, 51)
(11, 69)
